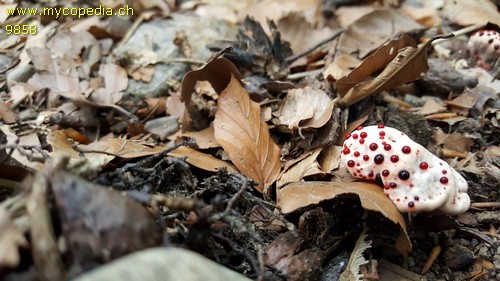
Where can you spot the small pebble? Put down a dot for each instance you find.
(459, 257)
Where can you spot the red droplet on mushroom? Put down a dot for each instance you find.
(360, 128)
(370, 174)
(411, 204)
(356, 153)
(444, 172)
(411, 184)
(406, 149)
(366, 157)
(373, 146)
(443, 180)
(355, 174)
(346, 151)
(361, 141)
(424, 165)
(380, 126)
(355, 136)
(347, 136)
(363, 135)
(416, 198)
(379, 159)
(350, 163)
(381, 133)
(393, 185)
(394, 158)
(387, 147)
(385, 173)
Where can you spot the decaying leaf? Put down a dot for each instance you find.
(306, 108)
(301, 194)
(11, 237)
(341, 66)
(239, 130)
(407, 65)
(465, 12)
(306, 166)
(372, 30)
(353, 269)
(201, 160)
(218, 72)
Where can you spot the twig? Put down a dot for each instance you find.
(460, 32)
(300, 75)
(82, 151)
(21, 149)
(232, 201)
(485, 205)
(295, 57)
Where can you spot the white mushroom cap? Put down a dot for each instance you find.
(413, 178)
(485, 46)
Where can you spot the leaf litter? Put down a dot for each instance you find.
(239, 159)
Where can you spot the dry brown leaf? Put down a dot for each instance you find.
(329, 159)
(341, 66)
(302, 194)
(115, 82)
(204, 138)
(201, 160)
(218, 72)
(312, 107)
(348, 14)
(466, 100)
(302, 35)
(307, 166)
(124, 148)
(373, 63)
(239, 130)
(431, 107)
(374, 29)
(426, 16)
(11, 237)
(408, 65)
(466, 12)
(6, 113)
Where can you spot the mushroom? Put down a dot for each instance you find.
(412, 177)
(484, 45)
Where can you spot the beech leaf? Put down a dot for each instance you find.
(241, 133)
(201, 160)
(374, 29)
(407, 65)
(302, 194)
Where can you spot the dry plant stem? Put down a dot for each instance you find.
(293, 58)
(450, 153)
(480, 235)
(300, 75)
(479, 276)
(175, 203)
(461, 32)
(486, 205)
(21, 149)
(82, 151)
(441, 116)
(431, 258)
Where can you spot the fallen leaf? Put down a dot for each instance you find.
(373, 63)
(374, 29)
(312, 107)
(204, 138)
(241, 133)
(465, 100)
(115, 82)
(302, 35)
(302, 194)
(349, 14)
(465, 12)
(426, 16)
(408, 64)
(201, 160)
(356, 260)
(431, 107)
(6, 113)
(307, 166)
(11, 238)
(329, 159)
(218, 72)
(341, 66)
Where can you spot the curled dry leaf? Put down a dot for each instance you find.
(204, 138)
(201, 160)
(408, 64)
(218, 72)
(341, 66)
(241, 133)
(312, 107)
(374, 29)
(301, 194)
